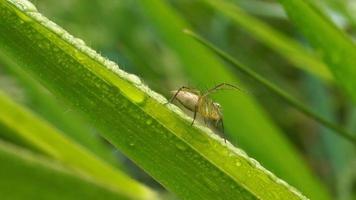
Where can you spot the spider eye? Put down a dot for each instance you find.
(217, 105)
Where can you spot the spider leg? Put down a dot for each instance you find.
(195, 114)
(221, 86)
(222, 133)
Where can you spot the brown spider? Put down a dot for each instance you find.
(198, 102)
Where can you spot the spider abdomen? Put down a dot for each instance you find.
(188, 99)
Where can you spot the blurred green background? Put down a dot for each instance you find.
(145, 38)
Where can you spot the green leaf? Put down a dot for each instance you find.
(276, 40)
(25, 175)
(190, 161)
(244, 120)
(40, 101)
(334, 46)
(44, 137)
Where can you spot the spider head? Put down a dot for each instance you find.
(217, 105)
(217, 113)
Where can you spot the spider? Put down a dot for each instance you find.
(200, 103)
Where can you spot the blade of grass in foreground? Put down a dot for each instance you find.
(44, 137)
(24, 175)
(335, 47)
(282, 44)
(44, 104)
(276, 90)
(189, 161)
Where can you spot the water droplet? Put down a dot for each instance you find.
(167, 134)
(24, 5)
(181, 146)
(34, 15)
(238, 163)
(79, 42)
(54, 27)
(211, 185)
(149, 122)
(134, 79)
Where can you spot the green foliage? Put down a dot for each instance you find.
(333, 45)
(61, 103)
(169, 149)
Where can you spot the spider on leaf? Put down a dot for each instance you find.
(200, 103)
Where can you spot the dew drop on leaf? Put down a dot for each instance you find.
(149, 122)
(238, 163)
(181, 146)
